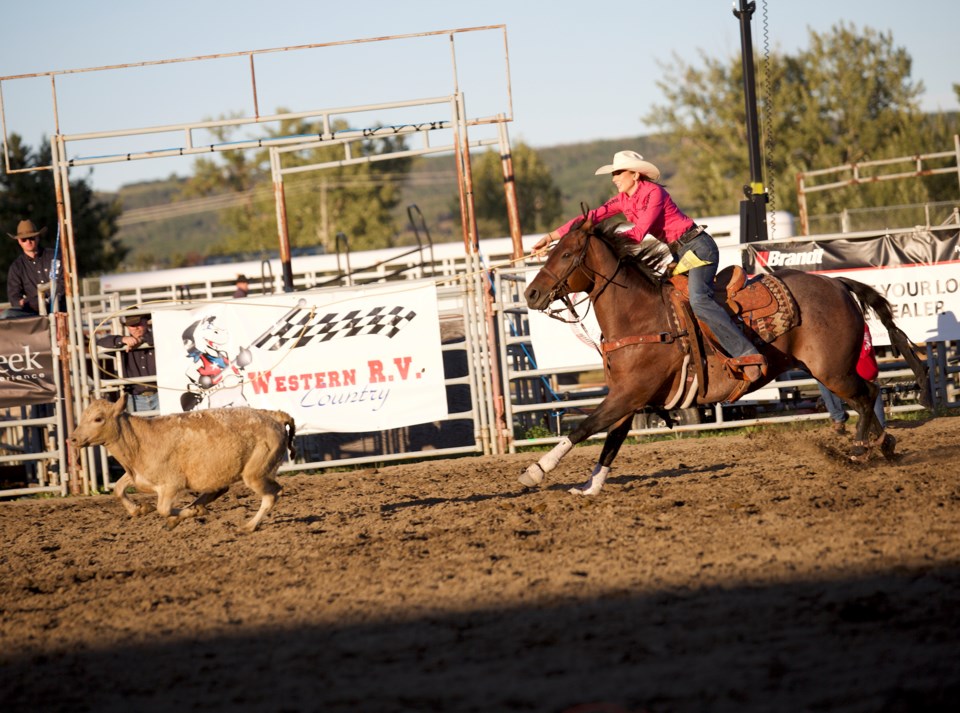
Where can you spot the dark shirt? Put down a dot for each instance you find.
(141, 361)
(26, 274)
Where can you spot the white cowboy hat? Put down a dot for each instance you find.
(630, 161)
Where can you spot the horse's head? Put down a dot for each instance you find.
(564, 271)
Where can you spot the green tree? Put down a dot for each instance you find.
(32, 196)
(354, 199)
(847, 98)
(538, 196)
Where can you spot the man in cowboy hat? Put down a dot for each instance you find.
(651, 210)
(29, 270)
(243, 287)
(138, 359)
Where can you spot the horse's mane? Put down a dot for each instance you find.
(648, 258)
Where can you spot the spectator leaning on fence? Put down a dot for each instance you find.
(138, 359)
(28, 271)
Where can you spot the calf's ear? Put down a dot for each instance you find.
(121, 404)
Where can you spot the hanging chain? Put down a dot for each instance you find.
(768, 122)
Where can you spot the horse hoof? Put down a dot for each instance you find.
(888, 446)
(532, 476)
(858, 453)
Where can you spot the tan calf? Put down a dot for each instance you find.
(200, 451)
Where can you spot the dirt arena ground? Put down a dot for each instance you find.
(736, 573)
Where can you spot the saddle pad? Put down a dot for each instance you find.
(778, 316)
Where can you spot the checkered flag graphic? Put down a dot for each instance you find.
(301, 326)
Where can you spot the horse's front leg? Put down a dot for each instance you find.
(607, 413)
(611, 447)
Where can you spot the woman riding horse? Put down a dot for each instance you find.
(646, 204)
(653, 357)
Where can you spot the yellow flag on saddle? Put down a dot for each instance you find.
(688, 262)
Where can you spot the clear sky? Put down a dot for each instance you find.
(579, 70)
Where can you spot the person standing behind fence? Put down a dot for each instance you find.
(138, 360)
(28, 271)
(838, 413)
(243, 287)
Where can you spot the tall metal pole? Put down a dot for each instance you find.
(280, 200)
(753, 220)
(510, 190)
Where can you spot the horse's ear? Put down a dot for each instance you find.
(587, 223)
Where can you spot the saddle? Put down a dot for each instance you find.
(763, 304)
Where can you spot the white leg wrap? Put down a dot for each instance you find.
(533, 475)
(549, 460)
(594, 483)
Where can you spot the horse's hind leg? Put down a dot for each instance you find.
(870, 427)
(611, 447)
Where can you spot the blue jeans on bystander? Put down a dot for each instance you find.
(838, 413)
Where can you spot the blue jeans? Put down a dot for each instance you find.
(837, 412)
(700, 282)
(146, 402)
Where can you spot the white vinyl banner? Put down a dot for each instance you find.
(345, 361)
(925, 300)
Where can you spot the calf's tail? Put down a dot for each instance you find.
(870, 298)
(290, 426)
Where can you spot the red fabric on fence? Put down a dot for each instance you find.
(867, 363)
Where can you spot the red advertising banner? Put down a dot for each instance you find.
(26, 362)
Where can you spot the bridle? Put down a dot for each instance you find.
(561, 283)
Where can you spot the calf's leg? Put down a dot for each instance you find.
(199, 506)
(120, 492)
(165, 498)
(269, 490)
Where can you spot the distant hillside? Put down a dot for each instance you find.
(162, 229)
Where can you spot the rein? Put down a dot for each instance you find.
(561, 283)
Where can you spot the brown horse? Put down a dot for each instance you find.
(655, 356)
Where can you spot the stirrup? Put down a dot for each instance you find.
(747, 360)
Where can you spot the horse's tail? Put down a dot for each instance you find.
(870, 298)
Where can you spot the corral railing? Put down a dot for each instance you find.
(533, 405)
(32, 449)
(849, 175)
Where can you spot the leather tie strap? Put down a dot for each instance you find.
(660, 338)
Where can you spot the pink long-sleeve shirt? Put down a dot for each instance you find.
(650, 209)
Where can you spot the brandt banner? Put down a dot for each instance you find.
(917, 272)
(26, 362)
